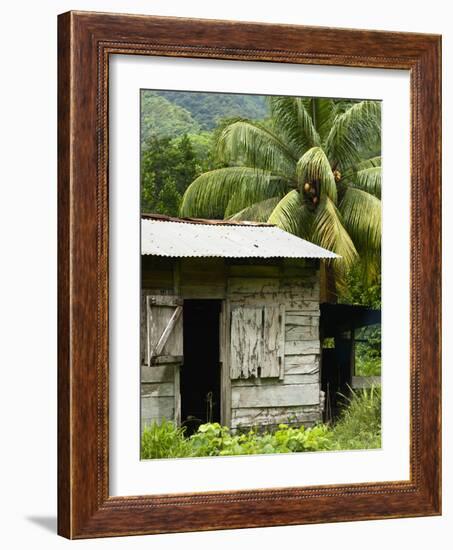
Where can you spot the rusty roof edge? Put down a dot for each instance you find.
(203, 221)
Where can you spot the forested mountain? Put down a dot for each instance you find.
(162, 118)
(208, 108)
(176, 113)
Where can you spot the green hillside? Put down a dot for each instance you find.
(208, 108)
(162, 118)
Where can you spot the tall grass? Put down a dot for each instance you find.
(359, 425)
(164, 440)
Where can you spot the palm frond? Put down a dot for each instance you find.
(295, 122)
(258, 212)
(249, 193)
(290, 214)
(361, 213)
(369, 163)
(314, 166)
(369, 179)
(249, 143)
(208, 195)
(323, 112)
(353, 132)
(329, 232)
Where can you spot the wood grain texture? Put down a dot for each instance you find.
(85, 41)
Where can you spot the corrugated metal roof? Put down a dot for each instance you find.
(181, 239)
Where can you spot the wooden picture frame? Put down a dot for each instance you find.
(85, 41)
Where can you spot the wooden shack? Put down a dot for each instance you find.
(229, 324)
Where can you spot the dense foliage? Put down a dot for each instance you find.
(359, 427)
(167, 165)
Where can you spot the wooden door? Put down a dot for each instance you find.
(162, 357)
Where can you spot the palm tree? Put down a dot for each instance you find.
(312, 169)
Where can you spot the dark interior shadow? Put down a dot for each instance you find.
(49, 523)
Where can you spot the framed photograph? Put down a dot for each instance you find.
(249, 275)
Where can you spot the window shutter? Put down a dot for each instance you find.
(164, 337)
(257, 342)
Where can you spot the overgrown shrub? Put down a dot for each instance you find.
(359, 427)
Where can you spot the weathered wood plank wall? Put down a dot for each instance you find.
(288, 392)
(294, 397)
(157, 392)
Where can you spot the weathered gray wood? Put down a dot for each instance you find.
(246, 341)
(165, 373)
(164, 328)
(362, 382)
(295, 360)
(258, 285)
(275, 396)
(281, 350)
(157, 408)
(159, 389)
(165, 300)
(177, 395)
(301, 364)
(143, 329)
(157, 350)
(257, 342)
(225, 380)
(301, 319)
(302, 347)
(288, 379)
(165, 359)
(293, 332)
(249, 417)
(272, 341)
(293, 302)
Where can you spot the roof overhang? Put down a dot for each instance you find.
(192, 239)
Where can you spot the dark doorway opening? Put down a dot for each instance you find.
(200, 373)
